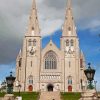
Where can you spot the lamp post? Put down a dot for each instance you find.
(10, 80)
(90, 76)
(90, 93)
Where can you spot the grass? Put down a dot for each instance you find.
(34, 95)
(28, 95)
(70, 96)
(25, 95)
(2, 94)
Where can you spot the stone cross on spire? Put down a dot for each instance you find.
(33, 27)
(69, 25)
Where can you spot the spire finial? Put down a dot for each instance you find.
(69, 4)
(33, 27)
(34, 4)
(69, 28)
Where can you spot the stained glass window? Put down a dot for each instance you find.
(50, 60)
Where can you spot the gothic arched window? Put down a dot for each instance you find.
(20, 62)
(69, 80)
(69, 28)
(72, 42)
(34, 42)
(67, 42)
(50, 60)
(30, 79)
(32, 28)
(29, 42)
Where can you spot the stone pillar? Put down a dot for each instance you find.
(89, 95)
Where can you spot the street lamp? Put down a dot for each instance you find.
(90, 76)
(10, 80)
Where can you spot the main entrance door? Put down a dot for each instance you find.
(30, 88)
(50, 87)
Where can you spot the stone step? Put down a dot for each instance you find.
(50, 96)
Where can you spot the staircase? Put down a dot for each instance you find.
(50, 96)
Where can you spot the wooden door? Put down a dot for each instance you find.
(30, 88)
(69, 88)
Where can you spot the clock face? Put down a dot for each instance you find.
(32, 50)
(69, 50)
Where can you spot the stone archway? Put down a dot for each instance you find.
(50, 87)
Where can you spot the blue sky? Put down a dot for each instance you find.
(89, 43)
(14, 22)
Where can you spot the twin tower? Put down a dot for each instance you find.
(51, 68)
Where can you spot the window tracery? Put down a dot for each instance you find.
(50, 60)
(72, 42)
(34, 42)
(67, 42)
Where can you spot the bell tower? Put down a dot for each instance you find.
(70, 49)
(31, 53)
(69, 35)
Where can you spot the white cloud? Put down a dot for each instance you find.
(51, 26)
(14, 20)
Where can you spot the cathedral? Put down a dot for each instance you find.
(51, 68)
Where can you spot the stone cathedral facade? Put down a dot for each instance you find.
(51, 68)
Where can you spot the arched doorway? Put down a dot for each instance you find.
(30, 88)
(69, 88)
(50, 87)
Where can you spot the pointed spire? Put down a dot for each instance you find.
(69, 4)
(33, 27)
(69, 25)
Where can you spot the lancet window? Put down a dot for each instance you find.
(34, 42)
(30, 79)
(69, 80)
(29, 42)
(67, 42)
(72, 42)
(20, 61)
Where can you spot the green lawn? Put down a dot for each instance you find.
(28, 95)
(2, 94)
(70, 96)
(25, 95)
(34, 95)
